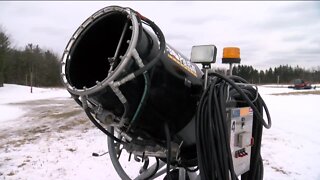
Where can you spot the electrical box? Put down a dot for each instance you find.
(240, 128)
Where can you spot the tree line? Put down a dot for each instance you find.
(38, 67)
(31, 66)
(283, 74)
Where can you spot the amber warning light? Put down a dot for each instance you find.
(231, 55)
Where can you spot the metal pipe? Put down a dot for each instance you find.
(113, 156)
(118, 47)
(182, 174)
(159, 173)
(205, 78)
(149, 171)
(230, 69)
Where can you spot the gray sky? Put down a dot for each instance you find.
(268, 33)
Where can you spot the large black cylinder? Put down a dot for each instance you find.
(103, 52)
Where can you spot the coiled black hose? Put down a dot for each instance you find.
(212, 138)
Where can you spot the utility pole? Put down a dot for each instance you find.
(26, 79)
(31, 78)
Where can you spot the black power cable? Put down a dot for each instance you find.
(155, 169)
(246, 98)
(162, 44)
(88, 111)
(256, 164)
(167, 132)
(212, 136)
(95, 122)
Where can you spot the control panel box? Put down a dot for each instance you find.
(240, 128)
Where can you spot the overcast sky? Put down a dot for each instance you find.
(268, 33)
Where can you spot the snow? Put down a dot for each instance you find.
(11, 93)
(45, 135)
(291, 148)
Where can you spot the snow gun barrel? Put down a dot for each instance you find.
(152, 101)
(118, 65)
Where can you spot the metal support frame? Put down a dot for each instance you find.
(123, 175)
(230, 69)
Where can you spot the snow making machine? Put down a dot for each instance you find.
(156, 104)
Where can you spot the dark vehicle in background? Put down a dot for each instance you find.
(300, 84)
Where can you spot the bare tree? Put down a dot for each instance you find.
(4, 46)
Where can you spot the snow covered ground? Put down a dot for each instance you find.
(45, 135)
(291, 148)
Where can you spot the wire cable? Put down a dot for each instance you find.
(162, 44)
(92, 119)
(167, 132)
(245, 97)
(88, 111)
(212, 137)
(155, 169)
(142, 101)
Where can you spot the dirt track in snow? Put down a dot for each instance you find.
(47, 121)
(40, 121)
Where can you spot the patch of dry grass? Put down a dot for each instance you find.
(40, 129)
(11, 173)
(72, 124)
(71, 149)
(65, 115)
(20, 142)
(298, 93)
(43, 118)
(280, 170)
(21, 165)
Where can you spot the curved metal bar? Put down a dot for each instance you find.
(113, 156)
(124, 61)
(117, 166)
(159, 173)
(149, 171)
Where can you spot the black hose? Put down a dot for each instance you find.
(239, 90)
(155, 170)
(212, 137)
(88, 111)
(167, 132)
(162, 41)
(213, 146)
(92, 119)
(142, 103)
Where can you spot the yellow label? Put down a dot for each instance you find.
(244, 111)
(185, 64)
